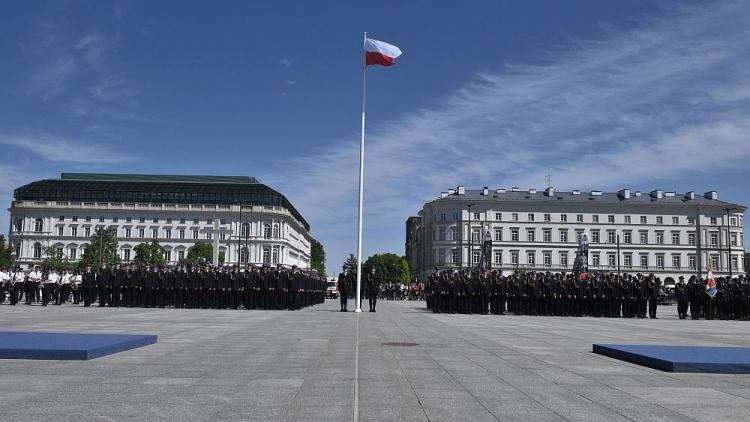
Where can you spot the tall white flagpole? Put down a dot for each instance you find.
(358, 300)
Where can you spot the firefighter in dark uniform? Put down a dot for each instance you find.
(343, 286)
(681, 294)
(373, 288)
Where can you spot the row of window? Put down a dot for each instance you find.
(579, 218)
(142, 220)
(270, 255)
(245, 230)
(595, 236)
(595, 259)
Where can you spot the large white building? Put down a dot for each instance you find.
(259, 224)
(664, 233)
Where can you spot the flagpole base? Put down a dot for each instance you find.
(357, 310)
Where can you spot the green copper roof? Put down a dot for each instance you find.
(144, 188)
(102, 177)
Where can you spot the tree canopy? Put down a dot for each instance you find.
(201, 253)
(53, 260)
(6, 254)
(351, 263)
(318, 258)
(392, 268)
(108, 241)
(150, 254)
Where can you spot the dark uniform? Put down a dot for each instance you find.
(104, 285)
(681, 294)
(89, 287)
(373, 289)
(343, 286)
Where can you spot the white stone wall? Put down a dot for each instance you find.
(446, 222)
(175, 228)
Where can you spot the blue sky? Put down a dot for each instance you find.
(604, 95)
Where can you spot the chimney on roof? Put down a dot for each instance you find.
(532, 191)
(711, 195)
(637, 193)
(596, 193)
(514, 189)
(550, 191)
(690, 195)
(485, 191)
(624, 193)
(461, 190)
(576, 192)
(500, 190)
(451, 191)
(443, 194)
(658, 193)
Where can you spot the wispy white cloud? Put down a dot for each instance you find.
(61, 150)
(287, 62)
(94, 46)
(52, 79)
(669, 98)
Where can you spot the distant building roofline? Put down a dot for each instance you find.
(114, 177)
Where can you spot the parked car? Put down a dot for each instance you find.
(332, 292)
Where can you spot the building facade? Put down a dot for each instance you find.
(664, 233)
(258, 224)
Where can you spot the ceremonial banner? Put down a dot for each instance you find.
(711, 284)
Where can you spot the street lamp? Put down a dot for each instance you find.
(729, 243)
(471, 239)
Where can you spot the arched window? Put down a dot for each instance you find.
(37, 250)
(266, 255)
(275, 230)
(275, 254)
(267, 231)
(19, 225)
(245, 230)
(38, 225)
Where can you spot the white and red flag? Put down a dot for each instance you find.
(379, 52)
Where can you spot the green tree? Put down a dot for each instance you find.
(404, 272)
(150, 254)
(55, 261)
(200, 253)
(6, 254)
(351, 263)
(392, 268)
(108, 241)
(318, 258)
(222, 257)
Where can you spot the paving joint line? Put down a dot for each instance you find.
(454, 379)
(562, 386)
(398, 362)
(355, 410)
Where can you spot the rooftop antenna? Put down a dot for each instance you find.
(549, 179)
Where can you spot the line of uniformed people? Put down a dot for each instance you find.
(556, 294)
(732, 299)
(181, 287)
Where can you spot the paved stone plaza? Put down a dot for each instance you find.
(280, 365)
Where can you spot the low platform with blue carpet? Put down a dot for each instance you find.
(67, 346)
(717, 360)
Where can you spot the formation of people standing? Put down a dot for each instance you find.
(597, 295)
(370, 288)
(179, 287)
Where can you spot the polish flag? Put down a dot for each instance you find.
(378, 52)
